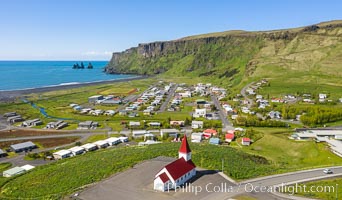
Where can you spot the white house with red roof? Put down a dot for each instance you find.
(229, 137)
(178, 172)
(246, 141)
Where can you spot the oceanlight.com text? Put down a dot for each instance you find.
(255, 188)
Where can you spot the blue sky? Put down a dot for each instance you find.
(91, 30)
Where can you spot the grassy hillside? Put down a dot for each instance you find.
(309, 56)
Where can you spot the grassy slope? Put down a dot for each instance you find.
(65, 176)
(307, 61)
(291, 155)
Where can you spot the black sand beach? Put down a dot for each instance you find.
(11, 95)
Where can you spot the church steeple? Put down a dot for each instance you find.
(184, 150)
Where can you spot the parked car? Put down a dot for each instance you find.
(327, 171)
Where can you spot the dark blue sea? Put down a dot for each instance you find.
(15, 75)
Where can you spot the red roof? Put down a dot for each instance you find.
(246, 140)
(212, 131)
(179, 167)
(164, 177)
(229, 136)
(231, 131)
(184, 146)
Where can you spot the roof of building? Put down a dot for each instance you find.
(88, 145)
(230, 136)
(14, 171)
(212, 131)
(23, 145)
(62, 152)
(164, 177)
(2, 151)
(197, 134)
(246, 139)
(184, 146)
(179, 167)
(76, 149)
(27, 167)
(214, 140)
(169, 130)
(112, 139)
(100, 142)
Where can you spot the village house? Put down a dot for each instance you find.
(123, 112)
(199, 113)
(196, 137)
(169, 132)
(101, 144)
(109, 112)
(96, 112)
(123, 139)
(185, 94)
(25, 146)
(77, 150)
(89, 147)
(15, 119)
(229, 137)
(208, 133)
(258, 96)
(197, 124)
(178, 172)
(62, 154)
(177, 123)
(134, 124)
(154, 124)
(215, 141)
(139, 133)
(17, 170)
(88, 125)
(10, 114)
(246, 141)
(56, 125)
(85, 110)
(3, 153)
(31, 123)
(95, 98)
(112, 101)
(113, 141)
(322, 96)
(274, 115)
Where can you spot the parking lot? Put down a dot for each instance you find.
(137, 184)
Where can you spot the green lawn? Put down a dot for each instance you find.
(290, 155)
(328, 187)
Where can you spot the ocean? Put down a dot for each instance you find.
(17, 75)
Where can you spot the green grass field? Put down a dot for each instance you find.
(291, 155)
(57, 179)
(326, 189)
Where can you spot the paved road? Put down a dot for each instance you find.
(244, 94)
(168, 98)
(227, 125)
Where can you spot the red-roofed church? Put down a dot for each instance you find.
(177, 172)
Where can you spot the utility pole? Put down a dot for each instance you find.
(336, 191)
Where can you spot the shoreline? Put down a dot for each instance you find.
(11, 95)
